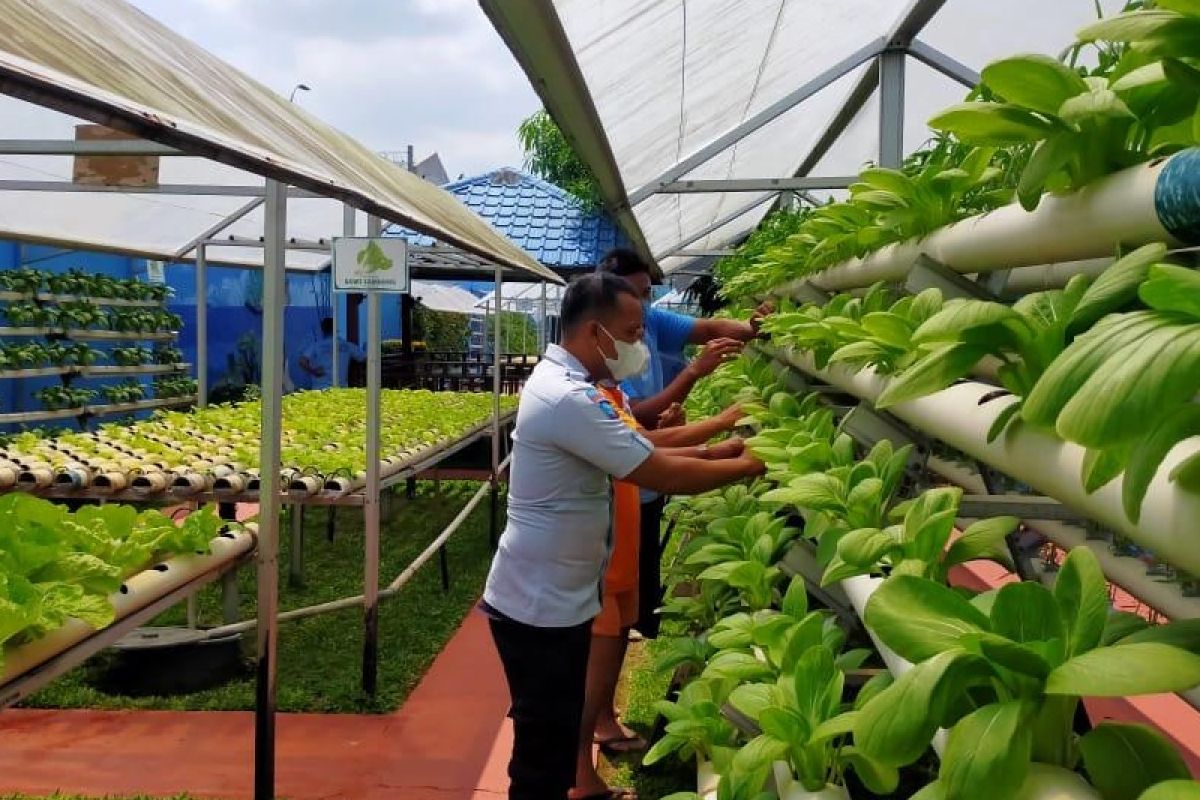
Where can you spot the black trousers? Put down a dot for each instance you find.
(546, 670)
(650, 588)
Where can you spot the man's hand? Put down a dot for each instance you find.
(714, 354)
(753, 467)
(730, 416)
(730, 448)
(672, 417)
(764, 309)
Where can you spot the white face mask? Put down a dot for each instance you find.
(631, 359)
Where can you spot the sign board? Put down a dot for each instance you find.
(365, 265)
(112, 170)
(156, 272)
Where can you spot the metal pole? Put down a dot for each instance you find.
(202, 326)
(348, 225)
(275, 228)
(542, 324)
(296, 571)
(891, 108)
(370, 663)
(495, 499)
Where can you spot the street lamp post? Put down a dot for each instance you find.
(299, 87)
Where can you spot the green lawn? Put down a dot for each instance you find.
(319, 657)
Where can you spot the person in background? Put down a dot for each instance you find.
(317, 359)
(544, 586)
(619, 606)
(651, 399)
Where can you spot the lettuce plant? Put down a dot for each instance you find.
(919, 544)
(1005, 672)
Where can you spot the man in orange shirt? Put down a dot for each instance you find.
(619, 603)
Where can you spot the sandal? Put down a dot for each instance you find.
(622, 745)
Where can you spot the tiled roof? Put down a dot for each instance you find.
(539, 217)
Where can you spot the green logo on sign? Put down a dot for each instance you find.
(372, 259)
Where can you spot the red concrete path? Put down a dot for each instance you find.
(450, 741)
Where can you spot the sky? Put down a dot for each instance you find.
(430, 73)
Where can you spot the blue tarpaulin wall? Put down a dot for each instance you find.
(234, 312)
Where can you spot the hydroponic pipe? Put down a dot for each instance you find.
(1154, 202)
(135, 594)
(1126, 572)
(959, 417)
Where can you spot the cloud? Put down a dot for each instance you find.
(431, 73)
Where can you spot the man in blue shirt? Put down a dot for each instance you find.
(651, 396)
(317, 358)
(543, 589)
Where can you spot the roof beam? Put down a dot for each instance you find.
(854, 102)
(757, 185)
(740, 211)
(219, 226)
(771, 112)
(193, 189)
(912, 22)
(951, 68)
(535, 36)
(73, 147)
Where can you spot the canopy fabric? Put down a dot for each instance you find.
(639, 86)
(445, 297)
(108, 62)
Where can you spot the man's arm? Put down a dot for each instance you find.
(705, 330)
(697, 432)
(667, 473)
(647, 410)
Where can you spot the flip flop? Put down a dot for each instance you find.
(622, 745)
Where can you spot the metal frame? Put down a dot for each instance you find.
(739, 132)
(756, 185)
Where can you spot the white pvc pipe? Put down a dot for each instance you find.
(1128, 573)
(1168, 525)
(1090, 223)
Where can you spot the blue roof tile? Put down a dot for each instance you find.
(545, 220)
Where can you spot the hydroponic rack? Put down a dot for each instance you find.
(694, 126)
(80, 59)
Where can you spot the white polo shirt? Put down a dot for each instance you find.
(568, 440)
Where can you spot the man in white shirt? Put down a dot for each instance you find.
(317, 358)
(544, 585)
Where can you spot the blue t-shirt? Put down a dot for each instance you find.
(667, 333)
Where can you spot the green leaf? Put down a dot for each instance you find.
(983, 539)
(897, 724)
(879, 778)
(1117, 286)
(1101, 466)
(1172, 288)
(1182, 633)
(1128, 669)
(1123, 761)
(1034, 81)
(1098, 104)
(1148, 454)
(932, 373)
(1027, 612)
(817, 491)
(1121, 624)
(991, 124)
(1173, 790)
(866, 546)
(919, 618)
(1132, 26)
(1082, 594)
(1013, 656)
(987, 753)
(795, 599)
(873, 687)
(753, 698)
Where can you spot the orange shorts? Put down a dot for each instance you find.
(618, 611)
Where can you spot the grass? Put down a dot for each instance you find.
(320, 657)
(641, 687)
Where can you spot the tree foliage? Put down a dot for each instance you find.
(549, 155)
